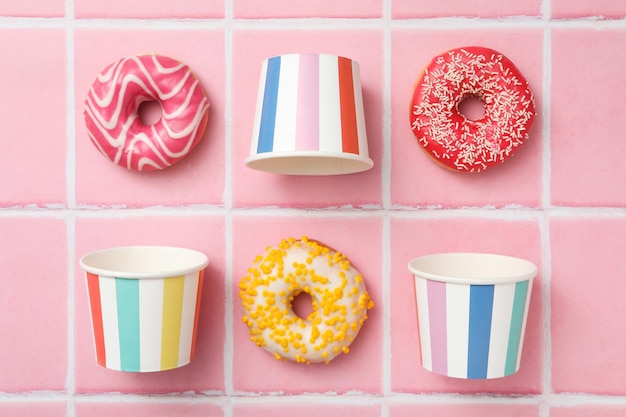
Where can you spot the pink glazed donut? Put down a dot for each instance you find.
(112, 112)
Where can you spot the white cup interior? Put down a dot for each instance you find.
(144, 261)
(472, 268)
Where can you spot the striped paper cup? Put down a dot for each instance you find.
(472, 310)
(309, 117)
(144, 303)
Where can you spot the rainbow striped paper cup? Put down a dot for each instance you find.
(472, 310)
(144, 303)
(309, 117)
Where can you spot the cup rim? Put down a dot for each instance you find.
(96, 262)
(350, 163)
(429, 267)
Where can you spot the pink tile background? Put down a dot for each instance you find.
(33, 304)
(305, 409)
(587, 164)
(558, 202)
(407, 9)
(467, 410)
(251, 9)
(151, 409)
(33, 113)
(149, 9)
(587, 347)
(588, 8)
(31, 409)
(34, 8)
(589, 410)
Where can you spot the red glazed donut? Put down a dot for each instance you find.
(451, 139)
(112, 118)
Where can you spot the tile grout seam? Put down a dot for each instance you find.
(70, 382)
(387, 386)
(546, 270)
(229, 331)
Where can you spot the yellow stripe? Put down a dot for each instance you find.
(172, 314)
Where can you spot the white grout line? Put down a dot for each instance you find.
(386, 200)
(228, 222)
(388, 211)
(70, 382)
(546, 270)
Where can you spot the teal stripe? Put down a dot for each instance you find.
(127, 294)
(517, 320)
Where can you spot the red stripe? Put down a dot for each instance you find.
(350, 138)
(195, 322)
(93, 286)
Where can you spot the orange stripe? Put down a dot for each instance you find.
(350, 139)
(195, 321)
(93, 286)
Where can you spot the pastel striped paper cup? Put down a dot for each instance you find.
(309, 117)
(144, 303)
(472, 310)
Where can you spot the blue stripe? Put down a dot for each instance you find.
(127, 295)
(481, 307)
(270, 99)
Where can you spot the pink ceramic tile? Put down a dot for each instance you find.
(34, 409)
(305, 409)
(196, 179)
(34, 8)
(145, 409)
(587, 8)
(411, 238)
(403, 9)
(255, 188)
(589, 410)
(33, 304)
(586, 128)
(149, 9)
(588, 340)
(465, 410)
(359, 370)
(204, 233)
(302, 8)
(33, 108)
(415, 179)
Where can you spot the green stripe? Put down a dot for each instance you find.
(517, 320)
(127, 293)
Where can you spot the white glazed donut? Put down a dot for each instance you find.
(112, 112)
(339, 298)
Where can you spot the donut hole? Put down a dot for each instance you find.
(472, 107)
(149, 112)
(302, 305)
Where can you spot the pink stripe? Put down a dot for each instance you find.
(438, 325)
(307, 122)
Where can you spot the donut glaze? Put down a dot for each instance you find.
(455, 141)
(339, 297)
(112, 112)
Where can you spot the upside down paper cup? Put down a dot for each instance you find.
(144, 303)
(309, 117)
(472, 310)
